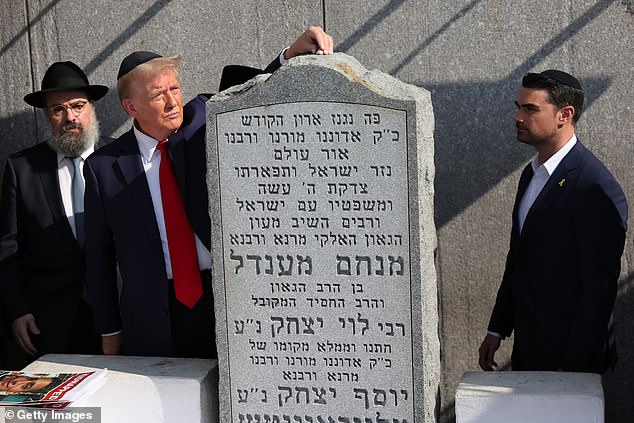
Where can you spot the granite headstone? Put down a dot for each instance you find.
(321, 195)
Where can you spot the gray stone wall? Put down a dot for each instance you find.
(470, 54)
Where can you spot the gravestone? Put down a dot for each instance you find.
(321, 195)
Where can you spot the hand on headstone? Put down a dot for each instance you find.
(314, 40)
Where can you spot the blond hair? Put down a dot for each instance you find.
(146, 72)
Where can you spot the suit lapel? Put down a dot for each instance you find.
(131, 167)
(556, 185)
(525, 179)
(48, 173)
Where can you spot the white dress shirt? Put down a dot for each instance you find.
(151, 158)
(541, 174)
(65, 178)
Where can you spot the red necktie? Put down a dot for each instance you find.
(180, 236)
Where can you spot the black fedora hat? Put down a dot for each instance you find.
(237, 74)
(64, 76)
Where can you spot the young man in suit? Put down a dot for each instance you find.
(147, 208)
(569, 224)
(42, 270)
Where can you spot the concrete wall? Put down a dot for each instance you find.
(470, 54)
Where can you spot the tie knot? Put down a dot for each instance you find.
(162, 145)
(75, 159)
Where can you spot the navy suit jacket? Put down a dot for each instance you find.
(121, 227)
(562, 270)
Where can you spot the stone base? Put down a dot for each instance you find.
(145, 389)
(522, 397)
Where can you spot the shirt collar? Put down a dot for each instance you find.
(147, 144)
(551, 164)
(83, 155)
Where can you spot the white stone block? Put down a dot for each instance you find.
(527, 397)
(145, 389)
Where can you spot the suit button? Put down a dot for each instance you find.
(165, 313)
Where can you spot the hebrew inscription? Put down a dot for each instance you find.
(315, 245)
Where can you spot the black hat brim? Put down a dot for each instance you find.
(38, 98)
(233, 75)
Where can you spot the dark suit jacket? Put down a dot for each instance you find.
(561, 274)
(41, 263)
(121, 225)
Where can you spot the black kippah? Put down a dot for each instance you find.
(135, 59)
(563, 77)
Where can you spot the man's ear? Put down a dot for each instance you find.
(129, 107)
(567, 113)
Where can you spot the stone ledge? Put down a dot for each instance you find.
(523, 397)
(145, 389)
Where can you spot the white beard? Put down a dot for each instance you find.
(73, 145)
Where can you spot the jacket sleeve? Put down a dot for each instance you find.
(501, 320)
(274, 65)
(600, 227)
(101, 264)
(11, 271)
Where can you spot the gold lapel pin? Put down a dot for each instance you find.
(561, 183)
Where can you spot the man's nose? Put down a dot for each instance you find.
(70, 114)
(171, 99)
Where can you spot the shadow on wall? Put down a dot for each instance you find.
(474, 135)
(23, 31)
(23, 130)
(125, 35)
(367, 27)
(567, 33)
(17, 131)
(475, 141)
(475, 146)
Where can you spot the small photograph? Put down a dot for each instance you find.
(55, 390)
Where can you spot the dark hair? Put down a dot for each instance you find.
(559, 93)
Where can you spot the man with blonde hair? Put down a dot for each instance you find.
(147, 208)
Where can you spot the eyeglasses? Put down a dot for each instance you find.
(76, 107)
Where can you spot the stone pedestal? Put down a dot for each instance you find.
(529, 397)
(145, 389)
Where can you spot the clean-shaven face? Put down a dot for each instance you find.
(157, 105)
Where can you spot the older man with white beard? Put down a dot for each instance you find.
(42, 271)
